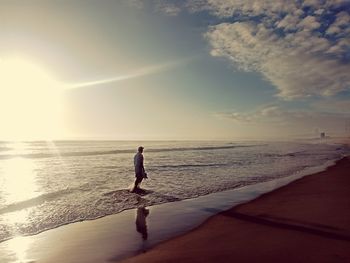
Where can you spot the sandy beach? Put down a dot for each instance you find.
(305, 221)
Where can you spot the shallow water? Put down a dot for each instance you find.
(47, 184)
(133, 231)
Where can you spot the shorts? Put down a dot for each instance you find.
(139, 178)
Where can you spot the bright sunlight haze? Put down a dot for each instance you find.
(30, 106)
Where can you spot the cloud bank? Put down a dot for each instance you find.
(301, 47)
(277, 118)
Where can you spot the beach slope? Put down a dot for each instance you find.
(305, 221)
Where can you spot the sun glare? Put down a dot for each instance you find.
(18, 247)
(30, 102)
(18, 180)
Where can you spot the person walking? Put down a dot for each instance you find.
(139, 169)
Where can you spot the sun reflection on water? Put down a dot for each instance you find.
(20, 191)
(18, 184)
(18, 180)
(18, 248)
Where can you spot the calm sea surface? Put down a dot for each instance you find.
(47, 184)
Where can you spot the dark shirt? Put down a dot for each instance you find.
(138, 163)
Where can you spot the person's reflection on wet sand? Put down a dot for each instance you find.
(141, 225)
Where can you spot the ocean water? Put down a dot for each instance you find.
(47, 184)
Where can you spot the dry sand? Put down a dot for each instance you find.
(305, 221)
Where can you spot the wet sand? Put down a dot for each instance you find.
(306, 221)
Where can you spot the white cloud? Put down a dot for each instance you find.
(341, 23)
(301, 62)
(227, 8)
(312, 3)
(274, 118)
(343, 19)
(289, 22)
(289, 42)
(292, 63)
(168, 8)
(309, 23)
(268, 114)
(319, 11)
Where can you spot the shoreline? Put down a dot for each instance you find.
(113, 238)
(306, 220)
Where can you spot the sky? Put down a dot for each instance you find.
(160, 70)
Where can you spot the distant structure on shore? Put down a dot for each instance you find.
(322, 135)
